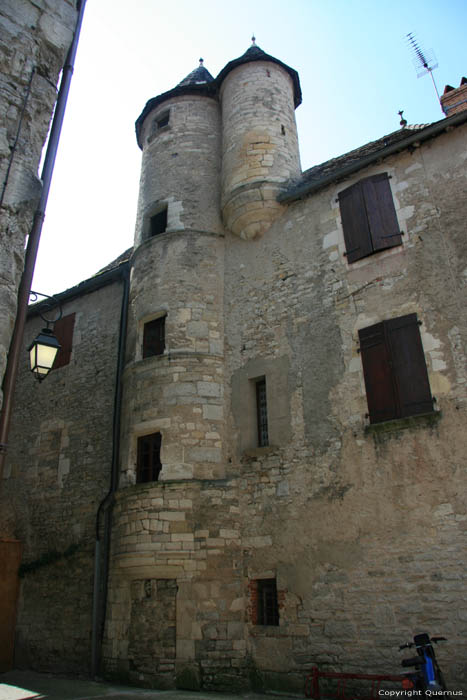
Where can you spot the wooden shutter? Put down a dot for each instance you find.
(381, 214)
(409, 366)
(154, 337)
(63, 331)
(355, 223)
(379, 381)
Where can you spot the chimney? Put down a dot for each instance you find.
(454, 99)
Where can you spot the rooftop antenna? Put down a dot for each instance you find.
(424, 61)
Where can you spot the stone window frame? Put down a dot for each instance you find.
(260, 615)
(140, 335)
(151, 211)
(155, 128)
(150, 440)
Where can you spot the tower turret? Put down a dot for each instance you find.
(259, 139)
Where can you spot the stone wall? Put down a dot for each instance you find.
(56, 473)
(34, 39)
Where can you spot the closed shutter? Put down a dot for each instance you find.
(379, 381)
(382, 219)
(63, 331)
(355, 223)
(409, 366)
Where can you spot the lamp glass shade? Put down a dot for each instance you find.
(42, 353)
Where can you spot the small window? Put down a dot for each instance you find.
(154, 337)
(158, 223)
(149, 458)
(394, 368)
(63, 331)
(163, 120)
(368, 217)
(268, 609)
(262, 413)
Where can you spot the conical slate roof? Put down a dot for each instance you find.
(198, 76)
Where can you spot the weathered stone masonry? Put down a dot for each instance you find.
(360, 526)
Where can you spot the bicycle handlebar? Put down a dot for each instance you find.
(408, 645)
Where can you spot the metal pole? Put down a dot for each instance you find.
(11, 371)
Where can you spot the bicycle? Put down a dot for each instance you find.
(427, 674)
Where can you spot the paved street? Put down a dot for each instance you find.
(26, 685)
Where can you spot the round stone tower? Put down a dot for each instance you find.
(173, 383)
(260, 150)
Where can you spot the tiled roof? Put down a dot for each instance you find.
(198, 76)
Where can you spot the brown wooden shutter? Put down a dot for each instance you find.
(63, 331)
(382, 219)
(355, 223)
(379, 381)
(409, 366)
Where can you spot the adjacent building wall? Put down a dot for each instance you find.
(34, 39)
(57, 472)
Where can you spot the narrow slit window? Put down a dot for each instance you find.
(262, 412)
(268, 608)
(149, 465)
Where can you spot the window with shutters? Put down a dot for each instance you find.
(262, 412)
(63, 331)
(148, 465)
(267, 604)
(394, 368)
(154, 337)
(369, 218)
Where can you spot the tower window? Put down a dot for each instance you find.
(262, 413)
(148, 464)
(268, 609)
(154, 337)
(158, 223)
(163, 120)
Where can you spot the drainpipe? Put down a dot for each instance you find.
(11, 371)
(102, 549)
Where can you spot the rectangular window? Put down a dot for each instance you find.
(394, 368)
(158, 223)
(268, 609)
(148, 465)
(368, 217)
(262, 413)
(63, 331)
(163, 120)
(154, 337)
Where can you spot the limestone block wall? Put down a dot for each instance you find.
(179, 393)
(362, 527)
(186, 534)
(181, 166)
(259, 145)
(34, 38)
(56, 473)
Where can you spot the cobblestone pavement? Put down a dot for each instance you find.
(27, 685)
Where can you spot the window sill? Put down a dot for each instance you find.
(422, 420)
(255, 452)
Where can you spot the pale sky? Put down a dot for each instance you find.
(355, 69)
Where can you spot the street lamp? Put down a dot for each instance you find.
(44, 347)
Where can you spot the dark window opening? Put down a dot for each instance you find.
(268, 609)
(154, 337)
(262, 413)
(158, 223)
(148, 465)
(368, 217)
(163, 120)
(63, 331)
(394, 368)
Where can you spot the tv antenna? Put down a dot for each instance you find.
(424, 61)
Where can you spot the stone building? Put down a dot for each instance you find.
(35, 36)
(250, 459)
